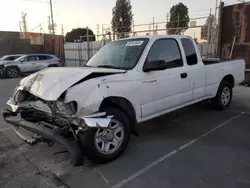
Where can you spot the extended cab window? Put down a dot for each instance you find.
(167, 50)
(190, 52)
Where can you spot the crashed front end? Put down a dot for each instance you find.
(55, 121)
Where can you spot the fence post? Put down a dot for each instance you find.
(178, 24)
(167, 24)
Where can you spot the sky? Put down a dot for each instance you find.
(83, 13)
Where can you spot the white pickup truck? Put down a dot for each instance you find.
(125, 83)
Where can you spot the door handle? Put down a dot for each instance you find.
(184, 75)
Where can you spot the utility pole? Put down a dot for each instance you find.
(52, 18)
(178, 24)
(153, 25)
(208, 33)
(167, 23)
(20, 27)
(216, 7)
(88, 54)
(62, 30)
(133, 26)
(97, 31)
(53, 26)
(41, 29)
(24, 22)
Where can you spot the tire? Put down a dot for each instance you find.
(53, 66)
(92, 147)
(12, 72)
(223, 98)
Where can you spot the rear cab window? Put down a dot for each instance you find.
(190, 51)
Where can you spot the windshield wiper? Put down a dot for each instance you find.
(109, 66)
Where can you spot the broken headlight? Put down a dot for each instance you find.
(20, 95)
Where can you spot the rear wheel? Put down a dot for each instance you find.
(224, 96)
(12, 72)
(104, 145)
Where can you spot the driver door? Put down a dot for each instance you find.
(165, 90)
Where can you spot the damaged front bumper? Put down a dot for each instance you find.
(54, 133)
(96, 120)
(51, 134)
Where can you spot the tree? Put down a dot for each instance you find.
(209, 25)
(122, 18)
(80, 34)
(179, 19)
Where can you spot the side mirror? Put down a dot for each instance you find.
(22, 60)
(155, 66)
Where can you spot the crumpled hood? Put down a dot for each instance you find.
(50, 83)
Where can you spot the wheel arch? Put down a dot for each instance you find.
(230, 79)
(125, 106)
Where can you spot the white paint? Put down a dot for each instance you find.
(2, 130)
(50, 83)
(152, 94)
(148, 167)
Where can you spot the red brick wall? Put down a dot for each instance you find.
(236, 22)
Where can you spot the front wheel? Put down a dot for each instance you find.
(104, 145)
(224, 96)
(12, 72)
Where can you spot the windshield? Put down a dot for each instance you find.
(122, 54)
(9, 58)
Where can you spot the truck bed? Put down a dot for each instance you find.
(211, 61)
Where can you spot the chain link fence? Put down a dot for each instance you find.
(78, 53)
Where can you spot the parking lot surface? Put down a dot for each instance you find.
(193, 147)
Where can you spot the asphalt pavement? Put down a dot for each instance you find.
(192, 147)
